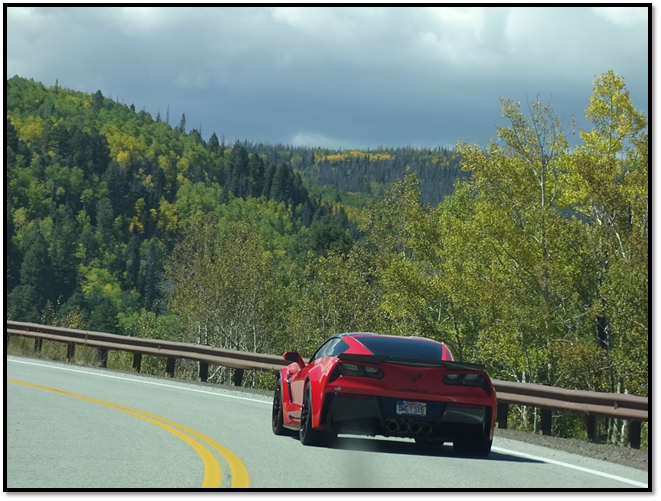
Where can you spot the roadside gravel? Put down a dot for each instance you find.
(626, 456)
(634, 458)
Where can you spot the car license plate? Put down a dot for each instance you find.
(409, 408)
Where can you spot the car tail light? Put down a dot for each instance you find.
(469, 379)
(359, 370)
(473, 379)
(464, 379)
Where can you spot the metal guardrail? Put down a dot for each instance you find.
(171, 350)
(591, 404)
(547, 398)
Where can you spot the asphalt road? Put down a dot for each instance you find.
(83, 428)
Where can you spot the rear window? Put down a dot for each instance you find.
(403, 347)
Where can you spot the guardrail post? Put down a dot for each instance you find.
(501, 415)
(38, 342)
(591, 425)
(103, 356)
(137, 361)
(204, 371)
(71, 351)
(546, 422)
(169, 367)
(634, 434)
(237, 377)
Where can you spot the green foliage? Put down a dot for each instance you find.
(527, 255)
(333, 295)
(218, 279)
(109, 190)
(505, 275)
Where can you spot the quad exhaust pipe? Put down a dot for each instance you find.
(391, 425)
(405, 427)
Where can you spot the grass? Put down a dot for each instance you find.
(120, 360)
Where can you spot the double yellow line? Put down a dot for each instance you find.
(212, 471)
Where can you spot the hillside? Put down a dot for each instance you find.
(536, 265)
(97, 193)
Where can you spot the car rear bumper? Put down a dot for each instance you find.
(372, 415)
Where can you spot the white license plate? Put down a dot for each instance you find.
(409, 408)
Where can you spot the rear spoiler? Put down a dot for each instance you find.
(377, 359)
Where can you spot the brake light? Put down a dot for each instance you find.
(465, 379)
(359, 370)
(470, 379)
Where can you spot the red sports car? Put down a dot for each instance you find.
(371, 384)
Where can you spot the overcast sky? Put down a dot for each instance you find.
(334, 77)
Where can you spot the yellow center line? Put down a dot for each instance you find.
(212, 469)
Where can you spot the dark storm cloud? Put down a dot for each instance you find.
(333, 76)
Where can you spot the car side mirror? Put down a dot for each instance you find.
(295, 357)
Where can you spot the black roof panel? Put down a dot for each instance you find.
(402, 347)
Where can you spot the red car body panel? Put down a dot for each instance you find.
(372, 399)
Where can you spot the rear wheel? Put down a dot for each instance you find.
(307, 434)
(276, 413)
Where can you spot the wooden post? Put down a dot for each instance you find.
(501, 415)
(71, 351)
(546, 422)
(634, 434)
(38, 342)
(137, 361)
(103, 356)
(204, 371)
(169, 368)
(237, 377)
(591, 425)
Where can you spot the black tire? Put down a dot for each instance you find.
(478, 447)
(307, 434)
(276, 413)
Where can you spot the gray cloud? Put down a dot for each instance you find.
(350, 77)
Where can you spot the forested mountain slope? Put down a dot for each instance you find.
(536, 264)
(96, 193)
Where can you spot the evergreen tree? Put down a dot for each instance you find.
(28, 299)
(13, 257)
(97, 101)
(103, 314)
(326, 235)
(213, 144)
(36, 266)
(151, 261)
(10, 136)
(132, 259)
(197, 136)
(268, 180)
(62, 255)
(239, 177)
(280, 185)
(256, 169)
